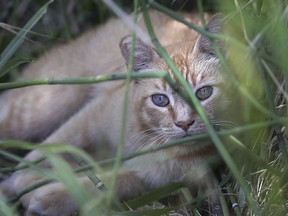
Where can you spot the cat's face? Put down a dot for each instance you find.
(161, 112)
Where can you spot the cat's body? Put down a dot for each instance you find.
(84, 59)
(156, 113)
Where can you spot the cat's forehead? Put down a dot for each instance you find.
(197, 70)
(194, 70)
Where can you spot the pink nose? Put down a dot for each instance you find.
(184, 125)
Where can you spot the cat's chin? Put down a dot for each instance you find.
(188, 134)
(193, 148)
(194, 144)
(197, 144)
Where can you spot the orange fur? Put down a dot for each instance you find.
(87, 116)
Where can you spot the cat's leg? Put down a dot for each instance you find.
(214, 192)
(204, 179)
(79, 131)
(214, 204)
(54, 199)
(69, 133)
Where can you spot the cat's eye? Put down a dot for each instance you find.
(204, 92)
(160, 100)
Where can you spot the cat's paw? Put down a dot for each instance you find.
(51, 200)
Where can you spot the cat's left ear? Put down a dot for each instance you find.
(144, 54)
(203, 44)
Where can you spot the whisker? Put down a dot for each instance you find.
(135, 145)
(224, 124)
(156, 140)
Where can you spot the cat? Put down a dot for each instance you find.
(89, 116)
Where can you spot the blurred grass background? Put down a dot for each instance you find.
(260, 26)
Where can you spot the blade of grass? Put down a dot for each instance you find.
(128, 80)
(70, 180)
(11, 64)
(233, 201)
(56, 147)
(126, 19)
(150, 212)
(223, 201)
(277, 127)
(83, 80)
(201, 12)
(154, 195)
(96, 181)
(6, 210)
(18, 40)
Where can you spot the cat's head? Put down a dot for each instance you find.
(160, 110)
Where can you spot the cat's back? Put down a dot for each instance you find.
(97, 51)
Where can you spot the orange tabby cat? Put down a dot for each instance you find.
(87, 116)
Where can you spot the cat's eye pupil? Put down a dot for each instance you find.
(204, 92)
(160, 100)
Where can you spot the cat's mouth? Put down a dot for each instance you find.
(189, 134)
(186, 134)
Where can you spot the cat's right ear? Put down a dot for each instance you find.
(143, 53)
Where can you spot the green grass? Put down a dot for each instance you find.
(255, 153)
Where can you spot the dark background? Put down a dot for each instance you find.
(65, 19)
